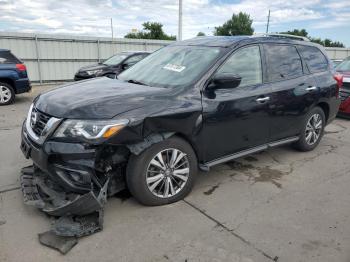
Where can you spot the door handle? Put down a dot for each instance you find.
(311, 88)
(262, 100)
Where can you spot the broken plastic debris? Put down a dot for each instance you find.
(78, 226)
(77, 216)
(61, 243)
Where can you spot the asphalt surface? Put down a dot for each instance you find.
(279, 205)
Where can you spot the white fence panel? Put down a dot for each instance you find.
(58, 57)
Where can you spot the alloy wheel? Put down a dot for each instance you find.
(168, 173)
(5, 94)
(313, 129)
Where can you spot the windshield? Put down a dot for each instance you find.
(172, 66)
(116, 59)
(344, 66)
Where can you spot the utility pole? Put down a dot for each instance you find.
(268, 23)
(112, 27)
(179, 35)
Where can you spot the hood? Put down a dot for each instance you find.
(92, 67)
(100, 98)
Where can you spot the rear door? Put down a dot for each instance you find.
(293, 90)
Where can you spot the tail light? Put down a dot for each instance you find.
(339, 78)
(21, 67)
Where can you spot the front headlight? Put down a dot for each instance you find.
(94, 72)
(90, 129)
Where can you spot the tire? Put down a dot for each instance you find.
(7, 94)
(140, 169)
(305, 142)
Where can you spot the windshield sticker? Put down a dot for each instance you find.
(175, 68)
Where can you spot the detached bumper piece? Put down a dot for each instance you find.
(74, 215)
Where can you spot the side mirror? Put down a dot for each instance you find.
(224, 81)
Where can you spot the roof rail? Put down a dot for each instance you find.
(295, 37)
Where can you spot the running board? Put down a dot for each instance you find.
(206, 166)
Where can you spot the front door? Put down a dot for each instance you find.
(236, 119)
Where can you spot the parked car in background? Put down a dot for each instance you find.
(13, 77)
(193, 104)
(343, 69)
(336, 62)
(112, 67)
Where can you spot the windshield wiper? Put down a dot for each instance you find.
(136, 82)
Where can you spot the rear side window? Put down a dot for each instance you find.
(315, 59)
(8, 58)
(283, 62)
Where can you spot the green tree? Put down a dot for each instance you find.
(200, 34)
(240, 24)
(297, 32)
(326, 42)
(151, 30)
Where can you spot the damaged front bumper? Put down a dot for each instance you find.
(71, 182)
(39, 191)
(77, 167)
(78, 215)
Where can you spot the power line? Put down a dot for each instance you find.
(179, 35)
(112, 27)
(268, 23)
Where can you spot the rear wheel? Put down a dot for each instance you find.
(7, 94)
(313, 130)
(164, 173)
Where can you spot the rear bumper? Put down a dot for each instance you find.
(22, 85)
(345, 102)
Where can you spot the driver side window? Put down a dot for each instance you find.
(246, 63)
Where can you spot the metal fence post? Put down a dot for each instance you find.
(38, 59)
(98, 51)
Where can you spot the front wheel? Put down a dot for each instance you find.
(164, 173)
(313, 130)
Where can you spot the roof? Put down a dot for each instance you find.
(135, 52)
(227, 41)
(219, 41)
(3, 50)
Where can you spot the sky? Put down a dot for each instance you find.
(325, 19)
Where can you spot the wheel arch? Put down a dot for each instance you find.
(325, 107)
(185, 138)
(8, 81)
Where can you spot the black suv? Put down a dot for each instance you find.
(13, 77)
(193, 104)
(112, 67)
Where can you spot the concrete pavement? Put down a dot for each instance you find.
(277, 205)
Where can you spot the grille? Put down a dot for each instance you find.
(38, 121)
